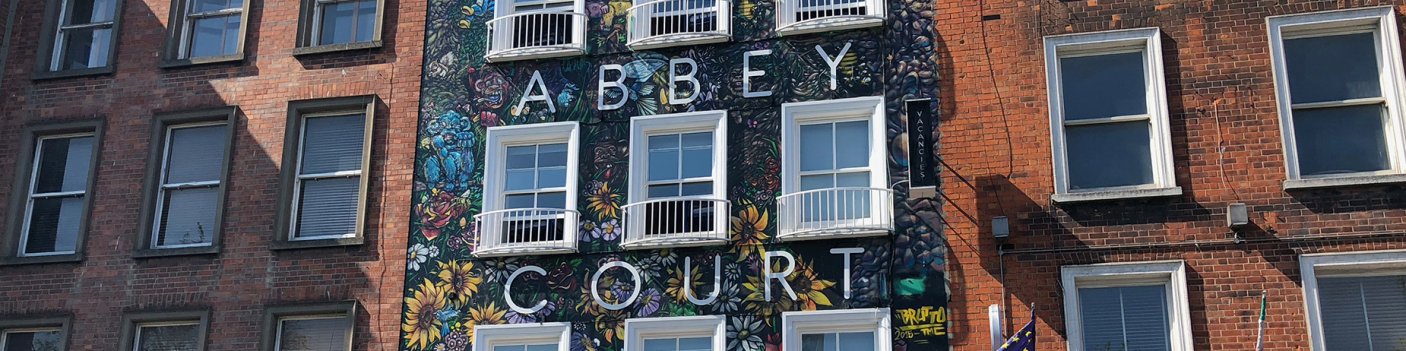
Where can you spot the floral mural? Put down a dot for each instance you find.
(448, 291)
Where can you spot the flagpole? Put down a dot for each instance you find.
(1259, 339)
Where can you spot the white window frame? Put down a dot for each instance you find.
(498, 140)
(56, 58)
(188, 26)
(1148, 41)
(488, 336)
(787, 24)
(162, 187)
(315, 37)
(278, 328)
(1348, 264)
(795, 324)
(1172, 274)
(641, 128)
(1381, 21)
(137, 331)
(30, 196)
(639, 329)
(870, 109)
(299, 178)
(504, 9)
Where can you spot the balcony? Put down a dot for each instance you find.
(536, 34)
(810, 16)
(835, 212)
(526, 231)
(663, 23)
(676, 222)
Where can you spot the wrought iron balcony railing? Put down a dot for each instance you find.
(835, 212)
(806, 16)
(669, 22)
(526, 231)
(682, 221)
(536, 34)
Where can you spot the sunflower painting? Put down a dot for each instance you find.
(594, 287)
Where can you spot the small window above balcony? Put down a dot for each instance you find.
(534, 29)
(834, 170)
(678, 176)
(529, 191)
(662, 23)
(810, 16)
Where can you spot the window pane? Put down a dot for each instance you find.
(365, 20)
(700, 139)
(1332, 68)
(168, 338)
(663, 164)
(1363, 313)
(63, 165)
(53, 225)
(661, 345)
(852, 180)
(188, 216)
(817, 148)
(696, 189)
(551, 200)
(332, 144)
(508, 348)
(821, 181)
(520, 201)
(544, 347)
(88, 11)
(1340, 140)
(1103, 86)
(659, 142)
(1125, 318)
(852, 144)
(520, 179)
(196, 154)
(554, 177)
(33, 341)
(215, 36)
(856, 341)
(663, 190)
(696, 344)
(338, 23)
(328, 207)
(818, 342)
(1109, 154)
(85, 47)
(551, 155)
(323, 334)
(522, 157)
(214, 5)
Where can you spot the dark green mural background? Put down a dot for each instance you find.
(448, 291)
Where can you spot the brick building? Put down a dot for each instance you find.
(1165, 114)
(212, 175)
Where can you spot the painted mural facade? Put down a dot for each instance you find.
(449, 291)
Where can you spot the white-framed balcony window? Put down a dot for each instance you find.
(834, 170)
(529, 190)
(1355, 301)
(54, 212)
(678, 178)
(328, 186)
(188, 197)
(532, 29)
(211, 28)
(1127, 306)
(810, 16)
(695, 333)
(1108, 114)
(1338, 80)
(84, 35)
(836, 330)
(523, 337)
(661, 23)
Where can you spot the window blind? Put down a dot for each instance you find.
(1125, 318)
(1363, 313)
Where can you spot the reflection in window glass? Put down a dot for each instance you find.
(342, 22)
(862, 341)
(32, 340)
(1363, 313)
(318, 333)
(1125, 318)
(55, 207)
(1339, 115)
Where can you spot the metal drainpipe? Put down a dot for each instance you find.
(5, 46)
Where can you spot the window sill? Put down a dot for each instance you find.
(184, 251)
(201, 61)
(24, 260)
(1344, 181)
(1105, 195)
(315, 243)
(323, 49)
(72, 73)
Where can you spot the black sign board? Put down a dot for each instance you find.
(922, 164)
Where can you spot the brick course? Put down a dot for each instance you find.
(1226, 145)
(246, 275)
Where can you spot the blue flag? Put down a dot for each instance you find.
(1023, 340)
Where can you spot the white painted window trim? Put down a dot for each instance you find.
(505, 8)
(1147, 40)
(794, 324)
(1170, 273)
(869, 108)
(1381, 21)
(162, 187)
(30, 194)
(299, 178)
(641, 128)
(488, 336)
(501, 137)
(1367, 263)
(639, 329)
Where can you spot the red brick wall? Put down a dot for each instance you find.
(246, 275)
(996, 147)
